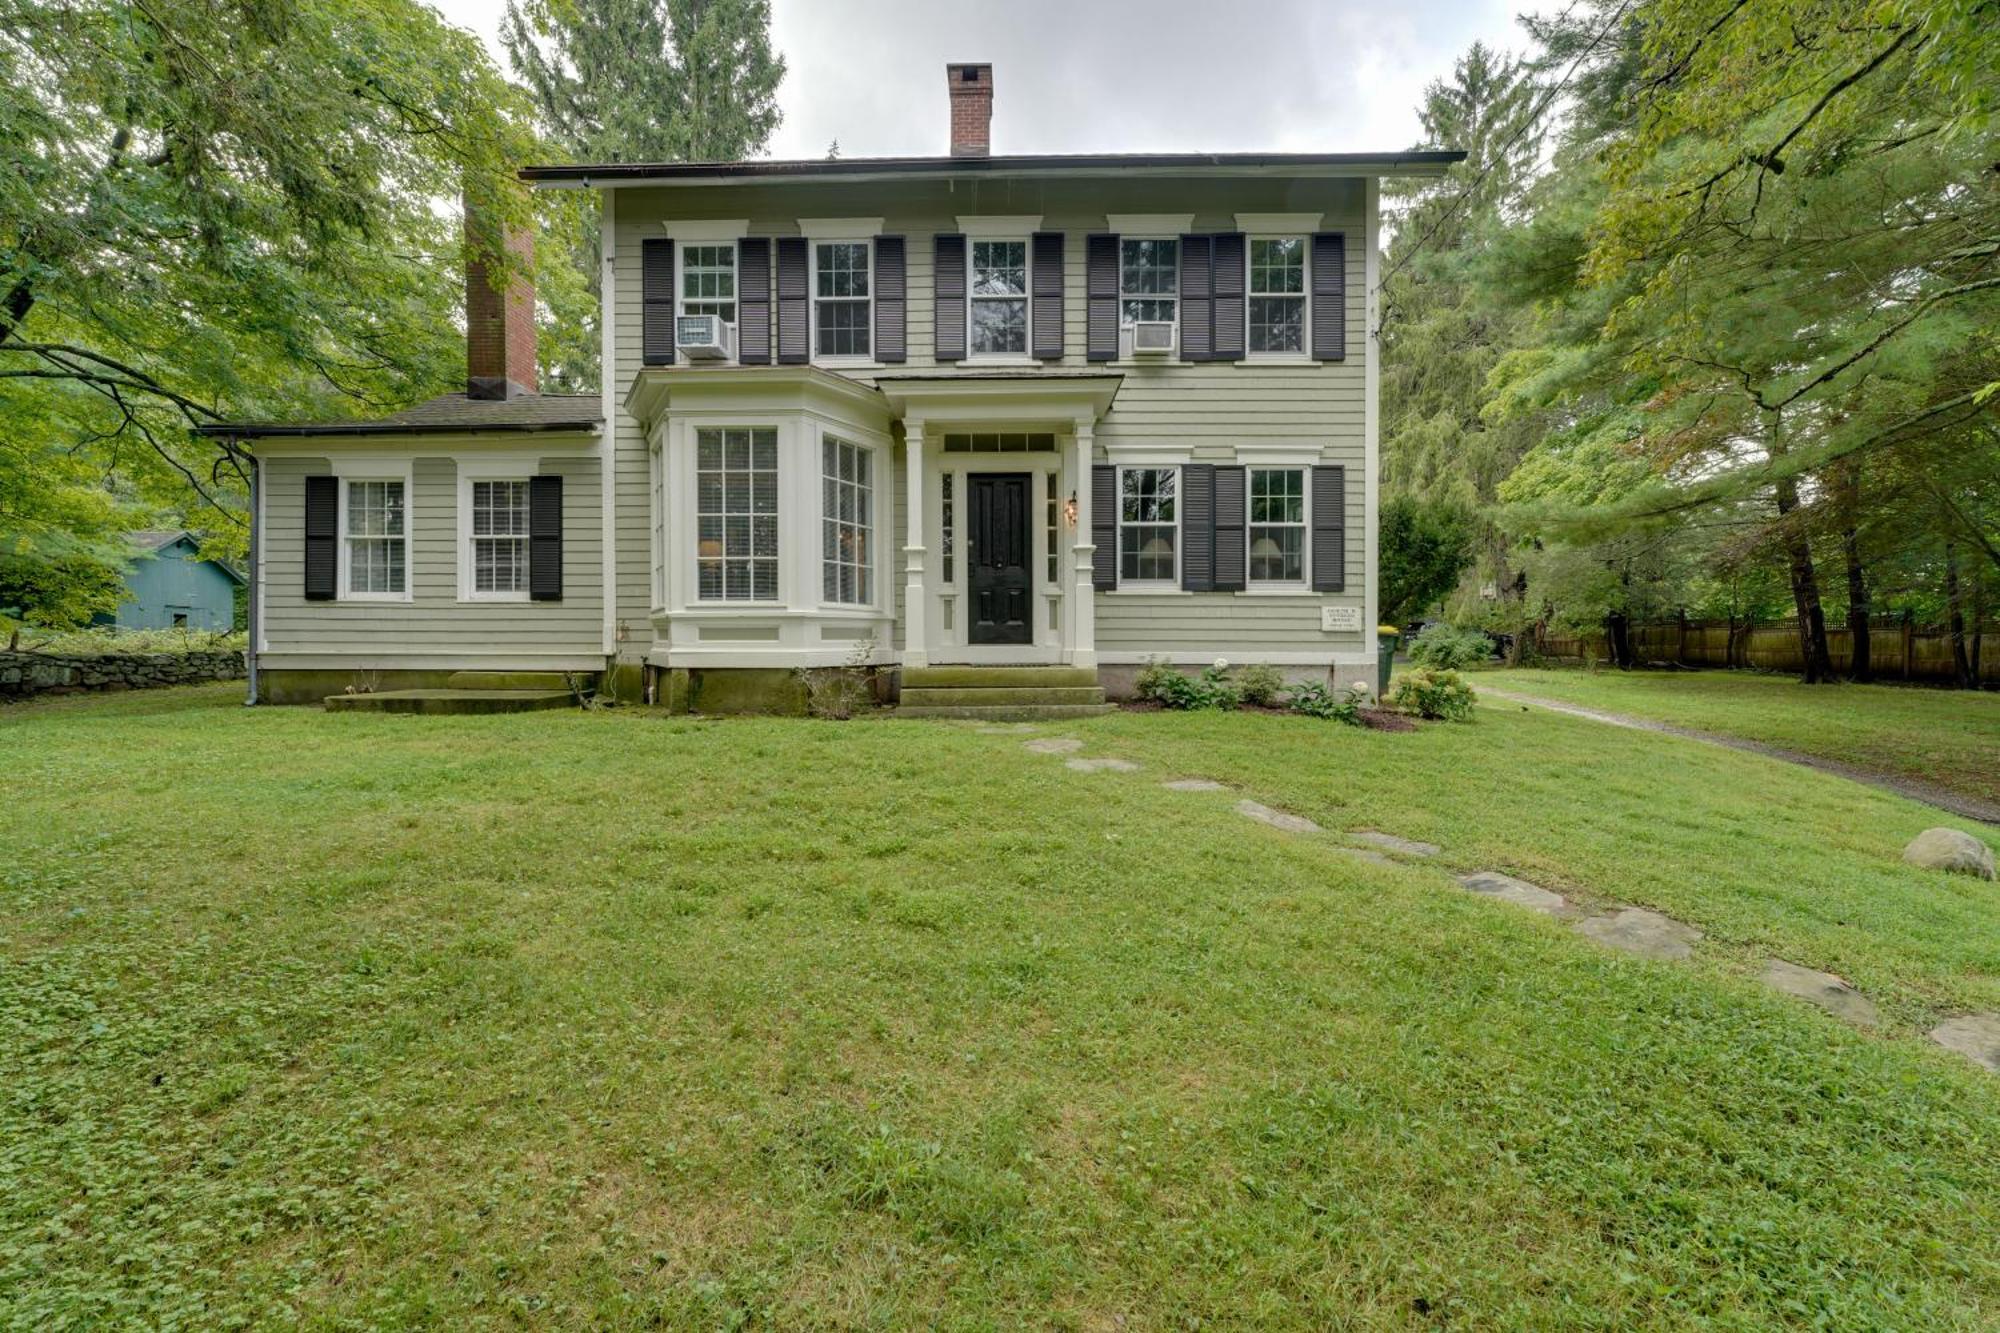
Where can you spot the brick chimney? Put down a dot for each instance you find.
(971, 88)
(499, 324)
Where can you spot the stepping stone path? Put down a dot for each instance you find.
(1637, 931)
(1974, 1036)
(1004, 728)
(1053, 745)
(1389, 842)
(1264, 814)
(1193, 784)
(1368, 854)
(1516, 891)
(1824, 989)
(1102, 765)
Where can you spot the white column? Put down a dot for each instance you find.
(916, 617)
(1083, 605)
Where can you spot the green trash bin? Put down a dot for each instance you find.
(1386, 640)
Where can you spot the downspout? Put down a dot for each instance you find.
(254, 618)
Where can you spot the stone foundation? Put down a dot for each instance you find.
(26, 675)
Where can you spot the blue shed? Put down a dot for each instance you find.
(169, 586)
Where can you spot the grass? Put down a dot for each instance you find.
(1948, 737)
(612, 1020)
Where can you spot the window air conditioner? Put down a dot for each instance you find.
(705, 338)
(1153, 337)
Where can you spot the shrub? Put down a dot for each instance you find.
(1426, 692)
(1156, 680)
(1211, 689)
(1260, 684)
(1314, 699)
(1449, 648)
(838, 693)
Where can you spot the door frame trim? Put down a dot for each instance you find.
(1029, 553)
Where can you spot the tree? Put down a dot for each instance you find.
(1425, 546)
(222, 209)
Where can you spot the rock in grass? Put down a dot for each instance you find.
(1950, 850)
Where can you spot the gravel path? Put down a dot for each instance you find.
(1968, 807)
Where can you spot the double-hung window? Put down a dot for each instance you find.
(708, 280)
(736, 514)
(1277, 294)
(498, 557)
(1277, 527)
(1149, 280)
(847, 492)
(998, 294)
(843, 298)
(1148, 525)
(375, 541)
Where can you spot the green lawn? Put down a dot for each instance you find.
(613, 1020)
(1949, 737)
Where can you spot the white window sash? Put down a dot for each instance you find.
(348, 537)
(1124, 296)
(682, 301)
(695, 511)
(1173, 583)
(1304, 527)
(469, 538)
(868, 302)
(868, 568)
(1025, 300)
(1303, 296)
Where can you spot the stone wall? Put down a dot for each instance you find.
(25, 675)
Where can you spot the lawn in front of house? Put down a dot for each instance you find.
(610, 1019)
(1948, 737)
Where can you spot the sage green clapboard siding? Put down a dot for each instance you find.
(1207, 408)
(434, 621)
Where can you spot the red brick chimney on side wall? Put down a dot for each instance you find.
(971, 89)
(499, 322)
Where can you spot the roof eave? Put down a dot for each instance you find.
(612, 175)
(250, 430)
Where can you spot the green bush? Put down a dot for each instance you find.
(1260, 684)
(1155, 680)
(1440, 695)
(95, 642)
(1211, 689)
(1314, 699)
(1450, 648)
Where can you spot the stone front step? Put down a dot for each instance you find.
(450, 702)
(1000, 696)
(513, 680)
(998, 677)
(1008, 712)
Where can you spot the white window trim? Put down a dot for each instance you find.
(1278, 224)
(814, 240)
(1124, 329)
(1141, 226)
(349, 470)
(1302, 357)
(484, 469)
(1303, 583)
(1118, 535)
(1026, 356)
(736, 270)
(878, 460)
(707, 232)
(995, 227)
(692, 526)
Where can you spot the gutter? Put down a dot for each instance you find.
(254, 431)
(1425, 162)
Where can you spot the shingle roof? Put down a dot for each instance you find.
(447, 413)
(157, 539)
(1414, 162)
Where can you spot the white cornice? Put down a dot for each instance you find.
(697, 231)
(1278, 224)
(990, 226)
(840, 229)
(1150, 224)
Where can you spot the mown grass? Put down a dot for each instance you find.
(610, 1020)
(1948, 737)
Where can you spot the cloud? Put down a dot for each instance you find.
(1111, 75)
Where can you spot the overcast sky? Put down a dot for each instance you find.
(1110, 75)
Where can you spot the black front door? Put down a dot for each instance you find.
(997, 549)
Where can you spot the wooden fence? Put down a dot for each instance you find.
(1897, 649)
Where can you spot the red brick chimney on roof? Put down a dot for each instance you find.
(499, 320)
(971, 88)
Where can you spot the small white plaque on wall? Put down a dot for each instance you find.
(1340, 619)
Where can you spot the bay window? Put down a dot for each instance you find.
(843, 300)
(1148, 525)
(1277, 526)
(1277, 294)
(998, 294)
(736, 514)
(847, 491)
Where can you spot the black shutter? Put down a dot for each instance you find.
(1228, 338)
(656, 299)
(1329, 296)
(322, 537)
(794, 315)
(948, 296)
(1197, 298)
(891, 307)
(1100, 262)
(1104, 526)
(545, 525)
(1047, 266)
(1231, 507)
(1198, 526)
(753, 301)
(1329, 529)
